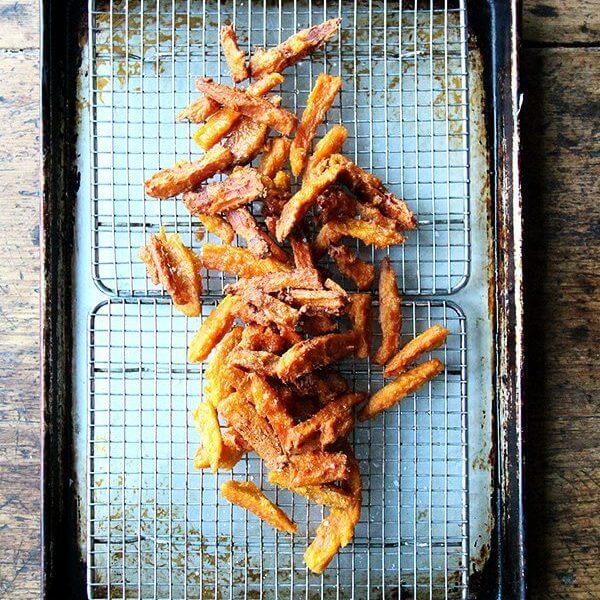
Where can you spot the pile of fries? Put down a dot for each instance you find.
(272, 342)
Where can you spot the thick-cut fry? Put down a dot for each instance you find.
(360, 315)
(335, 203)
(331, 143)
(199, 110)
(429, 340)
(326, 386)
(213, 329)
(293, 50)
(216, 385)
(248, 496)
(301, 278)
(365, 231)
(390, 314)
(256, 108)
(254, 361)
(232, 450)
(262, 337)
(330, 424)
(315, 468)
(405, 384)
(303, 258)
(177, 268)
(217, 226)
(239, 261)
(246, 140)
(242, 416)
(319, 101)
(318, 324)
(257, 240)
(274, 156)
(187, 176)
(316, 302)
(273, 309)
(309, 355)
(352, 267)
(207, 424)
(236, 59)
(325, 494)
(243, 186)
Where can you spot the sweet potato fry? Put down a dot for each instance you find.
(213, 329)
(335, 203)
(282, 181)
(316, 302)
(301, 278)
(361, 316)
(405, 384)
(246, 140)
(325, 494)
(216, 385)
(309, 355)
(256, 431)
(318, 324)
(293, 50)
(187, 176)
(254, 361)
(390, 314)
(177, 268)
(274, 156)
(207, 424)
(325, 386)
(273, 309)
(352, 267)
(331, 143)
(243, 186)
(330, 424)
(315, 468)
(239, 261)
(217, 226)
(248, 496)
(236, 59)
(429, 340)
(257, 240)
(303, 258)
(256, 108)
(199, 110)
(262, 337)
(319, 101)
(232, 450)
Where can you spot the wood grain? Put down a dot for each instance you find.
(19, 20)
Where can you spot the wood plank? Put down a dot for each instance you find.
(561, 22)
(19, 20)
(561, 155)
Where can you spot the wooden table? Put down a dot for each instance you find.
(561, 154)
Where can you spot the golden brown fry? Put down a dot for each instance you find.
(262, 337)
(303, 258)
(315, 468)
(242, 416)
(309, 355)
(301, 278)
(239, 261)
(274, 156)
(243, 186)
(236, 59)
(325, 494)
(293, 50)
(254, 361)
(331, 143)
(217, 226)
(326, 386)
(361, 317)
(318, 324)
(335, 203)
(352, 267)
(187, 176)
(273, 309)
(316, 302)
(330, 424)
(365, 231)
(233, 448)
(199, 110)
(429, 340)
(282, 181)
(213, 329)
(246, 140)
(405, 384)
(390, 313)
(248, 496)
(207, 424)
(256, 108)
(217, 386)
(319, 101)
(177, 268)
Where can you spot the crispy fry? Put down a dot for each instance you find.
(232, 450)
(258, 241)
(315, 468)
(274, 156)
(326, 386)
(293, 50)
(301, 278)
(282, 181)
(331, 143)
(273, 309)
(325, 494)
(216, 385)
(177, 268)
(187, 176)
(246, 140)
(352, 267)
(429, 340)
(236, 59)
(405, 384)
(360, 315)
(318, 324)
(390, 314)
(316, 302)
(319, 101)
(396, 209)
(256, 108)
(243, 186)
(254, 361)
(217, 226)
(213, 329)
(242, 416)
(303, 258)
(308, 355)
(239, 261)
(262, 337)
(248, 496)
(335, 202)
(333, 422)
(199, 110)
(207, 424)
(365, 231)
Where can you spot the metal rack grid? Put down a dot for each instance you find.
(404, 103)
(159, 529)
